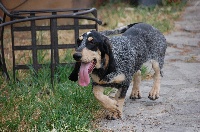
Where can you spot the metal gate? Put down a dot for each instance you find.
(33, 26)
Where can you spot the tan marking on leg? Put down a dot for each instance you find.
(120, 103)
(108, 103)
(118, 114)
(135, 94)
(154, 93)
(119, 78)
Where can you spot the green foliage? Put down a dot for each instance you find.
(144, 71)
(33, 104)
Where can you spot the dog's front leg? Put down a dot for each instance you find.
(136, 94)
(113, 106)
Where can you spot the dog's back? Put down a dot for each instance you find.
(139, 43)
(154, 41)
(139, 29)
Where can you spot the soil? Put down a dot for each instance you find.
(178, 108)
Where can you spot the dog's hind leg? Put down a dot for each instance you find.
(154, 93)
(113, 106)
(135, 94)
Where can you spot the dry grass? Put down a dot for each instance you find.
(116, 15)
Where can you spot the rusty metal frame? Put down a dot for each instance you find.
(35, 15)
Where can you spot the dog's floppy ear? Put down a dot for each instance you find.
(107, 49)
(74, 75)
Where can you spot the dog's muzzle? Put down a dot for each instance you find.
(77, 56)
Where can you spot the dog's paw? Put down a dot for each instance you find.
(114, 115)
(153, 94)
(135, 96)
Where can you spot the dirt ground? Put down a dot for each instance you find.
(178, 108)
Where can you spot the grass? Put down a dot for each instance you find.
(33, 105)
(116, 15)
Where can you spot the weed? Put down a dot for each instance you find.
(144, 71)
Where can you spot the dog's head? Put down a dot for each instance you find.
(93, 52)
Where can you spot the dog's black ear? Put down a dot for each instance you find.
(107, 49)
(74, 75)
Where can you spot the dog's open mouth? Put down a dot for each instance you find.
(85, 70)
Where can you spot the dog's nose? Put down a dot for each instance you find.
(77, 56)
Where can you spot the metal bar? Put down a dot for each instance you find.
(13, 52)
(18, 67)
(62, 27)
(84, 10)
(54, 38)
(95, 15)
(34, 47)
(68, 46)
(50, 17)
(53, 32)
(41, 47)
(2, 57)
(29, 47)
(76, 28)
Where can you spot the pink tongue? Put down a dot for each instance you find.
(84, 78)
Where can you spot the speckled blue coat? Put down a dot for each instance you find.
(137, 45)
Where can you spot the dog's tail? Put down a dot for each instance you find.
(117, 31)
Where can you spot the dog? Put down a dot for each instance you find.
(112, 57)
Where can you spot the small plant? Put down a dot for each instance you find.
(144, 72)
(108, 91)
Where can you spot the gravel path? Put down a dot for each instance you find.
(178, 108)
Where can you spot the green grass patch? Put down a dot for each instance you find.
(32, 104)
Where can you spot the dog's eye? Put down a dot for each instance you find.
(90, 40)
